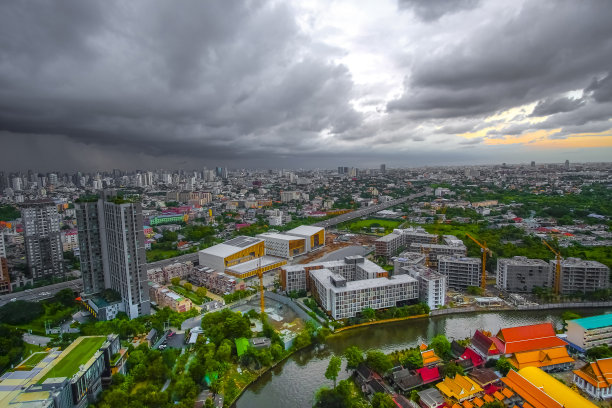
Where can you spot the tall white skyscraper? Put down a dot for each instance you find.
(111, 243)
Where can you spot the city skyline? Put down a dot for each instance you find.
(245, 85)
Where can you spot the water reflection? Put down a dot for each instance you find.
(296, 380)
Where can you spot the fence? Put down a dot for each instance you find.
(580, 305)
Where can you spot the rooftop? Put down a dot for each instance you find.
(232, 246)
(594, 322)
(305, 230)
(523, 260)
(77, 354)
(323, 276)
(275, 235)
(253, 264)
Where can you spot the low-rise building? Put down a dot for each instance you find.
(459, 388)
(314, 236)
(580, 276)
(164, 297)
(595, 378)
(522, 274)
(582, 334)
(460, 271)
(216, 282)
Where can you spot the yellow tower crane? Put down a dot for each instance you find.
(262, 303)
(557, 285)
(484, 249)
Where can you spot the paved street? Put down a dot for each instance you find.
(34, 339)
(44, 292)
(365, 211)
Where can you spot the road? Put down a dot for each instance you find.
(362, 212)
(36, 294)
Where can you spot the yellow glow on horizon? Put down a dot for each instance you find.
(539, 139)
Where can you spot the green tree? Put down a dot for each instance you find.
(598, 352)
(354, 357)
(452, 369)
(224, 352)
(327, 398)
(493, 404)
(188, 286)
(503, 365)
(378, 361)
(333, 368)
(441, 346)
(201, 292)
(175, 281)
(412, 359)
(382, 400)
(569, 315)
(368, 313)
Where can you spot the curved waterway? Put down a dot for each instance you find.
(294, 382)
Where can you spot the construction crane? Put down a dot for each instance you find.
(484, 249)
(557, 286)
(425, 251)
(262, 303)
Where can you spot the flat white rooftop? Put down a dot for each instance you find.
(278, 236)
(305, 230)
(232, 246)
(323, 275)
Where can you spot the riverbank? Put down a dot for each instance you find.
(300, 375)
(397, 319)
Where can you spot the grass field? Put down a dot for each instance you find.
(191, 295)
(365, 225)
(70, 364)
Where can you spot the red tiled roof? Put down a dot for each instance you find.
(531, 337)
(429, 374)
(472, 355)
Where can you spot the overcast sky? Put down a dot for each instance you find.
(88, 85)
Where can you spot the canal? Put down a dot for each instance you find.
(296, 380)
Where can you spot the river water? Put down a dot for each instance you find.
(294, 382)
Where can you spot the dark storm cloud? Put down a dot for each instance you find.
(550, 106)
(430, 10)
(546, 48)
(220, 80)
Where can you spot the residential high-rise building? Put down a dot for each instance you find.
(580, 276)
(43, 240)
(521, 274)
(383, 168)
(460, 271)
(111, 240)
(5, 281)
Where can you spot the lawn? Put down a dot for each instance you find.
(190, 295)
(79, 355)
(365, 225)
(34, 359)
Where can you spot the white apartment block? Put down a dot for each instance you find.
(521, 274)
(432, 285)
(70, 240)
(343, 299)
(578, 275)
(460, 271)
(401, 238)
(452, 246)
(296, 277)
(407, 259)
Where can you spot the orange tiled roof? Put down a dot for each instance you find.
(541, 358)
(498, 395)
(597, 373)
(423, 347)
(478, 402)
(488, 398)
(429, 357)
(507, 392)
(460, 387)
(531, 337)
(468, 404)
(534, 397)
